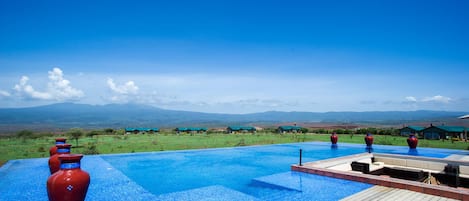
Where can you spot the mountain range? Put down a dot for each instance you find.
(68, 115)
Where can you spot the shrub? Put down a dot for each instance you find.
(338, 131)
(24, 134)
(45, 135)
(92, 133)
(241, 143)
(119, 132)
(91, 149)
(41, 149)
(75, 134)
(109, 131)
(384, 141)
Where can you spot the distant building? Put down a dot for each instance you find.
(289, 129)
(240, 129)
(411, 130)
(444, 132)
(141, 130)
(464, 117)
(190, 130)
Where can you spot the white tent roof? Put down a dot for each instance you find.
(464, 117)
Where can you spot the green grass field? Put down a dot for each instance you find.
(19, 148)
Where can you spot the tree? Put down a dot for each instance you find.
(75, 134)
(92, 133)
(24, 134)
(109, 130)
(338, 131)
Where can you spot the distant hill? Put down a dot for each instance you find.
(68, 115)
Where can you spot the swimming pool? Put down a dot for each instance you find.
(241, 173)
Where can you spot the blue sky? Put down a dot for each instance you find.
(237, 56)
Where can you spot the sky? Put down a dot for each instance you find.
(237, 56)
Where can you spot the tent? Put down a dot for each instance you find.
(464, 117)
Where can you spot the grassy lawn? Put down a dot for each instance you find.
(18, 148)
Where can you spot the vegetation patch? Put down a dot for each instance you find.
(27, 144)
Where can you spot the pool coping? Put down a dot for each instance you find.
(420, 187)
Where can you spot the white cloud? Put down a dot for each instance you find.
(24, 88)
(410, 99)
(216, 93)
(58, 88)
(127, 88)
(4, 93)
(437, 98)
(122, 92)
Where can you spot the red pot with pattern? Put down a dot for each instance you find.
(412, 141)
(70, 183)
(369, 140)
(334, 138)
(54, 162)
(53, 149)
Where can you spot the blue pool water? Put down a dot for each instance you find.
(234, 168)
(242, 173)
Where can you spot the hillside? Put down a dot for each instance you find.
(67, 115)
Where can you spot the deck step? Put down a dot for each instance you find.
(272, 194)
(302, 186)
(282, 181)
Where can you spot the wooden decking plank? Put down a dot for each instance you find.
(360, 195)
(412, 196)
(369, 193)
(390, 195)
(428, 197)
(376, 191)
(382, 193)
(419, 196)
(396, 194)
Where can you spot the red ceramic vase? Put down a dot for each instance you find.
(54, 162)
(369, 139)
(334, 138)
(70, 183)
(53, 149)
(412, 141)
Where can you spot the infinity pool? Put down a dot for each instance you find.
(241, 173)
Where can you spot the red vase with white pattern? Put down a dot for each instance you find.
(53, 149)
(54, 162)
(369, 139)
(70, 183)
(334, 138)
(412, 141)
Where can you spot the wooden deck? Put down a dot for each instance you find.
(458, 157)
(392, 194)
(339, 168)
